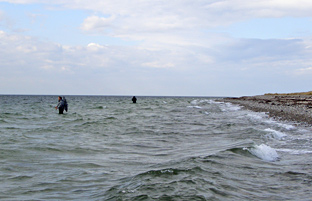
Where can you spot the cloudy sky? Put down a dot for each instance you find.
(155, 47)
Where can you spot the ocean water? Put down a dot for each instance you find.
(162, 148)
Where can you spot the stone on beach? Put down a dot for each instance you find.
(292, 107)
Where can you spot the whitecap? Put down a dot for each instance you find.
(230, 107)
(211, 101)
(166, 171)
(282, 125)
(276, 134)
(256, 116)
(264, 152)
(197, 107)
(194, 102)
(295, 152)
(286, 126)
(205, 101)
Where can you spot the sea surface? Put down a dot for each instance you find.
(161, 148)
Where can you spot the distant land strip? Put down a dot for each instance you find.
(289, 94)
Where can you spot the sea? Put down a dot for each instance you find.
(161, 148)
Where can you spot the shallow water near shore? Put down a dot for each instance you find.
(162, 148)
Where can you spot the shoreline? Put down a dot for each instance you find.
(296, 108)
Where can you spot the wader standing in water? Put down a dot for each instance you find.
(62, 104)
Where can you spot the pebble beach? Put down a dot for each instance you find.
(297, 108)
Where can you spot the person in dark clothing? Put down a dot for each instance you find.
(62, 104)
(134, 99)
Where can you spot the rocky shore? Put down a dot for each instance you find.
(296, 108)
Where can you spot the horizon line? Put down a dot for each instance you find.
(115, 95)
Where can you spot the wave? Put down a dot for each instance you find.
(194, 102)
(164, 184)
(166, 171)
(295, 152)
(276, 134)
(263, 152)
(230, 107)
(286, 126)
(20, 178)
(3, 121)
(98, 107)
(196, 106)
(216, 176)
(256, 116)
(11, 127)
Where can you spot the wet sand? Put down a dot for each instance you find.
(297, 108)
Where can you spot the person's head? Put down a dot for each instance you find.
(59, 98)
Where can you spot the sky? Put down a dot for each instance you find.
(155, 47)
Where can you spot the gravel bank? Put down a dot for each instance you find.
(296, 108)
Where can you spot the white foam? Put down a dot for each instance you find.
(286, 126)
(166, 171)
(211, 101)
(194, 102)
(231, 107)
(295, 152)
(196, 106)
(283, 125)
(264, 152)
(206, 101)
(256, 116)
(276, 134)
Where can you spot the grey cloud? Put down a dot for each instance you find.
(272, 49)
